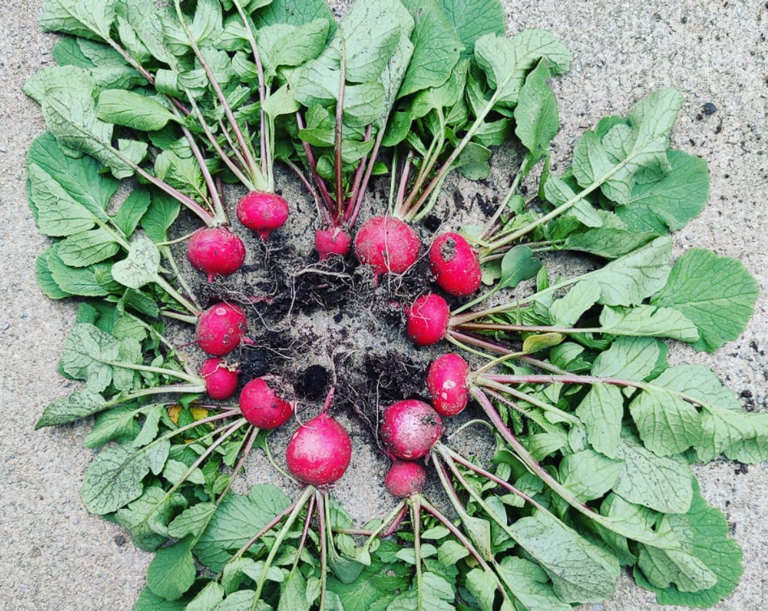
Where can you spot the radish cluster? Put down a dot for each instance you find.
(411, 428)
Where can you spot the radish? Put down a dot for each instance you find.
(428, 319)
(455, 265)
(262, 212)
(220, 379)
(221, 329)
(410, 429)
(332, 241)
(262, 407)
(405, 479)
(447, 384)
(319, 451)
(216, 251)
(387, 244)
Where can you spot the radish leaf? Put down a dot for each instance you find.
(716, 293)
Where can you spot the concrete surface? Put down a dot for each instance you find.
(53, 555)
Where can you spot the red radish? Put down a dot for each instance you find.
(262, 407)
(447, 384)
(410, 429)
(216, 251)
(262, 212)
(455, 265)
(332, 241)
(387, 244)
(428, 319)
(220, 379)
(221, 328)
(319, 452)
(405, 479)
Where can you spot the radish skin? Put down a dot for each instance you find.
(221, 329)
(332, 241)
(455, 265)
(262, 212)
(319, 451)
(216, 251)
(447, 384)
(405, 479)
(428, 319)
(410, 428)
(220, 379)
(261, 406)
(387, 244)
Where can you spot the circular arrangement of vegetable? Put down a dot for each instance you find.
(158, 118)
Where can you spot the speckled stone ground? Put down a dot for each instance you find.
(53, 555)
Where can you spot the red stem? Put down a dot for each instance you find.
(368, 173)
(313, 168)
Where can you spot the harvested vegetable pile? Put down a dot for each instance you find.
(539, 440)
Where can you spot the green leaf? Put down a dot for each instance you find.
(664, 567)
(92, 281)
(670, 203)
(631, 358)
(148, 601)
(580, 571)
(210, 596)
(629, 153)
(607, 242)
(530, 584)
(144, 18)
(87, 19)
(66, 95)
(717, 294)
(88, 247)
(172, 572)
(160, 216)
(237, 520)
(712, 545)
(601, 411)
(506, 61)
(631, 279)
(68, 409)
(436, 595)
(473, 162)
(293, 596)
(133, 110)
(86, 355)
(648, 321)
(117, 424)
(516, 266)
(589, 475)
(192, 521)
(662, 484)
(666, 422)
(140, 267)
(44, 277)
(536, 116)
(472, 19)
(566, 311)
(147, 517)
(132, 210)
(290, 45)
(482, 586)
(296, 13)
(436, 47)
(726, 427)
(114, 479)
(79, 179)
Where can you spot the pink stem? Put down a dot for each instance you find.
(469, 339)
(313, 167)
(368, 173)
